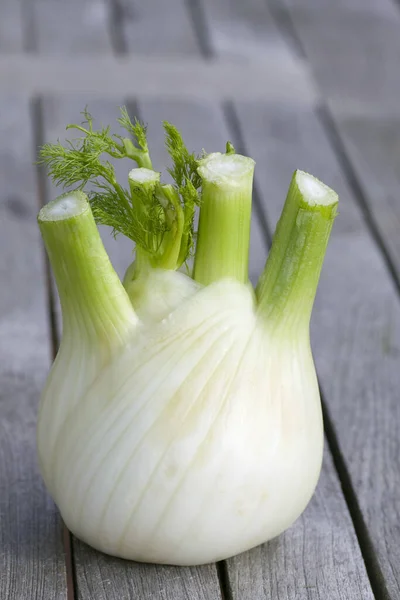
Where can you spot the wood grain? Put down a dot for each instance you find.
(31, 555)
(101, 577)
(355, 331)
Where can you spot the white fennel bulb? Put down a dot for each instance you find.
(181, 422)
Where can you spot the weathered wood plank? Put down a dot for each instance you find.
(373, 147)
(55, 27)
(99, 576)
(355, 332)
(203, 126)
(11, 26)
(31, 557)
(354, 55)
(244, 30)
(158, 28)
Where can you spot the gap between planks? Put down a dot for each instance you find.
(196, 13)
(224, 581)
(116, 17)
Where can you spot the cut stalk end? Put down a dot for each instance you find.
(313, 191)
(226, 170)
(143, 176)
(64, 207)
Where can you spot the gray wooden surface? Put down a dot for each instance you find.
(155, 28)
(57, 29)
(354, 53)
(32, 563)
(375, 167)
(345, 545)
(11, 27)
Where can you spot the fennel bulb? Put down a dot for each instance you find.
(181, 421)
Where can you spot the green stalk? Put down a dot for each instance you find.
(93, 300)
(287, 287)
(141, 157)
(224, 228)
(173, 238)
(142, 183)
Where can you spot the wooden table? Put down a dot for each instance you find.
(294, 83)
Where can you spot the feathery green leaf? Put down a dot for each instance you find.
(137, 129)
(142, 214)
(187, 182)
(184, 163)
